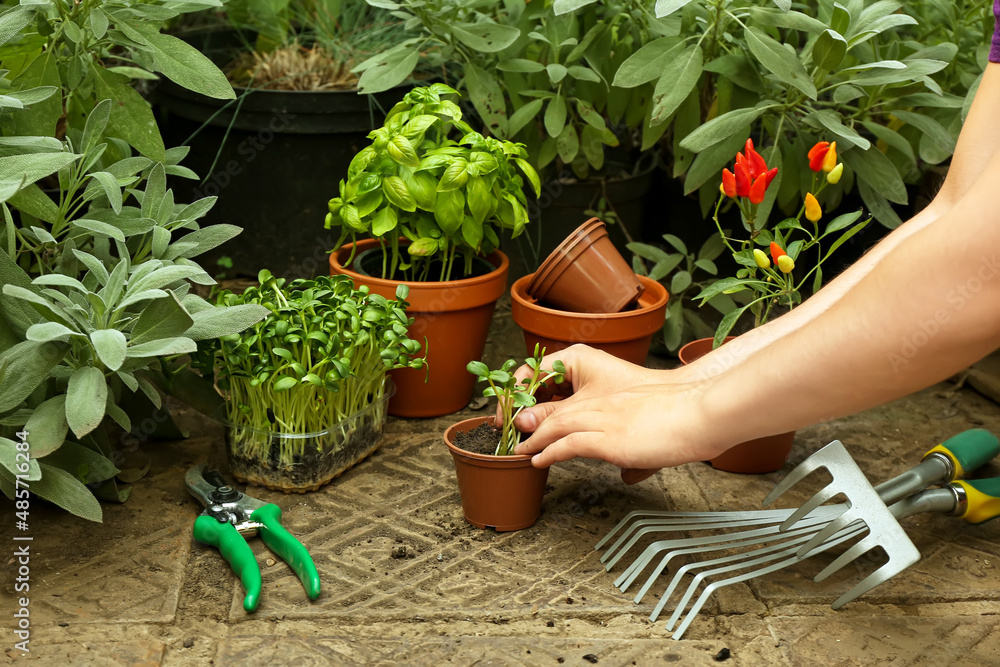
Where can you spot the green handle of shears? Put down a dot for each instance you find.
(969, 450)
(281, 542)
(232, 546)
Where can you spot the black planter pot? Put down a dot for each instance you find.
(562, 207)
(285, 153)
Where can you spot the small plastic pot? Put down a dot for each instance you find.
(499, 492)
(626, 335)
(586, 274)
(758, 456)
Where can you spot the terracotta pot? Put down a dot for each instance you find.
(626, 335)
(500, 492)
(762, 455)
(454, 316)
(586, 274)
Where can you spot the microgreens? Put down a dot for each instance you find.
(321, 355)
(514, 396)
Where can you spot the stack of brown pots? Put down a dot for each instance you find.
(585, 292)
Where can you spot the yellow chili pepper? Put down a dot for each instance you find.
(834, 176)
(813, 211)
(830, 159)
(786, 264)
(760, 257)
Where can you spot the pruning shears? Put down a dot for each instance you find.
(230, 517)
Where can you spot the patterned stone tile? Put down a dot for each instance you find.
(91, 654)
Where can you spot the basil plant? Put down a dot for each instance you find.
(431, 186)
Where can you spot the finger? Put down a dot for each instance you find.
(636, 475)
(563, 421)
(529, 419)
(586, 444)
(569, 357)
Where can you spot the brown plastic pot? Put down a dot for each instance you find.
(500, 492)
(758, 456)
(454, 316)
(626, 335)
(586, 274)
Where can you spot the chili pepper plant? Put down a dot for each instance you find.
(430, 180)
(765, 283)
(514, 396)
(319, 358)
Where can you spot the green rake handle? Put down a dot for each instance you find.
(968, 450)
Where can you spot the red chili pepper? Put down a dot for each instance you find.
(816, 155)
(758, 189)
(771, 174)
(742, 178)
(728, 183)
(756, 163)
(776, 252)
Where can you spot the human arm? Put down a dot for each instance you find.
(849, 357)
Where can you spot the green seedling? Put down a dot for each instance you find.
(515, 396)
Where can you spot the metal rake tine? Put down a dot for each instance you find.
(714, 586)
(739, 539)
(818, 499)
(799, 472)
(686, 516)
(848, 518)
(782, 548)
(876, 578)
(650, 526)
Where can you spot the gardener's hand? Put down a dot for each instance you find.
(640, 429)
(590, 374)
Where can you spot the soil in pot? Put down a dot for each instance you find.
(481, 440)
(762, 455)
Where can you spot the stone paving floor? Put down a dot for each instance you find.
(137, 590)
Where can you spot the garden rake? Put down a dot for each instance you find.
(791, 544)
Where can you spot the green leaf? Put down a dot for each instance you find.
(385, 221)
(488, 98)
(680, 282)
(709, 163)
(183, 64)
(45, 332)
(34, 166)
(110, 345)
(726, 325)
(829, 50)
(667, 7)
(205, 239)
(892, 138)
(86, 396)
(389, 69)
(32, 200)
(556, 72)
(521, 66)
(879, 206)
(59, 487)
(520, 118)
(566, 6)
(581, 73)
(163, 318)
(82, 462)
(932, 128)
(25, 366)
(449, 211)
(555, 116)
(398, 194)
(830, 120)
(47, 426)
(131, 116)
(779, 61)
(841, 221)
(472, 232)
(41, 119)
(478, 368)
(401, 150)
(875, 168)
(914, 70)
(648, 62)
(568, 144)
(479, 197)
(680, 75)
(223, 321)
(485, 36)
(100, 228)
(724, 127)
(163, 347)
(455, 176)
